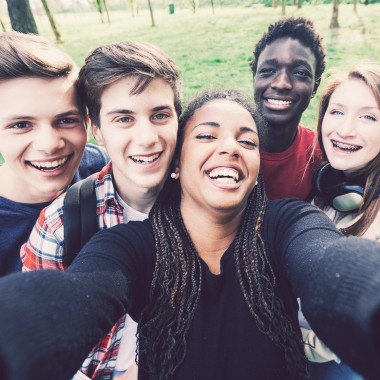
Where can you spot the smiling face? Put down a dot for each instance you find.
(219, 161)
(42, 138)
(351, 126)
(284, 81)
(140, 133)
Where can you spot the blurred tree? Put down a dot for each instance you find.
(299, 4)
(53, 24)
(151, 13)
(193, 5)
(356, 6)
(104, 2)
(213, 7)
(334, 18)
(274, 3)
(21, 16)
(283, 7)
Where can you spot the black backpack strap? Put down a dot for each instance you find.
(79, 216)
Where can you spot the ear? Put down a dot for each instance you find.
(316, 85)
(97, 133)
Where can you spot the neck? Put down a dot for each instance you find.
(211, 233)
(279, 138)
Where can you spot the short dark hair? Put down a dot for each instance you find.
(28, 55)
(301, 29)
(109, 63)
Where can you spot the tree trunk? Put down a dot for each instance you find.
(334, 19)
(274, 3)
(213, 7)
(53, 24)
(21, 16)
(299, 4)
(151, 13)
(98, 4)
(283, 7)
(356, 6)
(106, 9)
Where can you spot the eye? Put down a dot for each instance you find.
(336, 112)
(160, 116)
(205, 136)
(68, 121)
(369, 117)
(248, 144)
(266, 71)
(21, 125)
(124, 120)
(302, 73)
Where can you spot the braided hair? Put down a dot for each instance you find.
(177, 279)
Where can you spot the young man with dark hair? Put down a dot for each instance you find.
(42, 136)
(132, 92)
(287, 65)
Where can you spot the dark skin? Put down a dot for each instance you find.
(284, 83)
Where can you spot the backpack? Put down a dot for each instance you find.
(79, 216)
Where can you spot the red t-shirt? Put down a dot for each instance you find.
(290, 174)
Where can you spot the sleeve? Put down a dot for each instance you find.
(337, 279)
(50, 320)
(44, 248)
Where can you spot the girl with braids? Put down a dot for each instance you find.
(348, 183)
(212, 277)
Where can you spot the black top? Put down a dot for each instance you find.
(63, 314)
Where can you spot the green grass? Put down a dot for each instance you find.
(214, 50)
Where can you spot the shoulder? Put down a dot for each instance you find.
(93, 160)
(290, 217)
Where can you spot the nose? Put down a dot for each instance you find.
(229, 147)
(146, 134)
(282, 81)
(347, 127)
(48, 139)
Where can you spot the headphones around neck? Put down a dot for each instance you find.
(340, 193)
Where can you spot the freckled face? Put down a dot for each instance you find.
(220, 159)
(351, 126)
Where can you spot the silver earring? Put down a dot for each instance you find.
(174, 175)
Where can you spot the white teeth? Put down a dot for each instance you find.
(48, 165)
(224, 175)
(145, 159)
(279, 102)
(345, 146)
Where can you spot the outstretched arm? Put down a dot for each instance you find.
(338, 281)
(50, 320)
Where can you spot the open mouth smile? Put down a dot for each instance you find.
(345, 147)
(47, 166)
(279, 102)
(145, 160)
(225, 175)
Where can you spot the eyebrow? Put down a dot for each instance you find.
(68, 113)
(297, 62)
(127, 111)
(217, 125)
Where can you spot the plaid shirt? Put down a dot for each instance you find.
(44, 250)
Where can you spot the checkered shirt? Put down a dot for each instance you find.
(44, 250)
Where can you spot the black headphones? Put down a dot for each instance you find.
(342, 195)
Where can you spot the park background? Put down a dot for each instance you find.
(210, 40)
